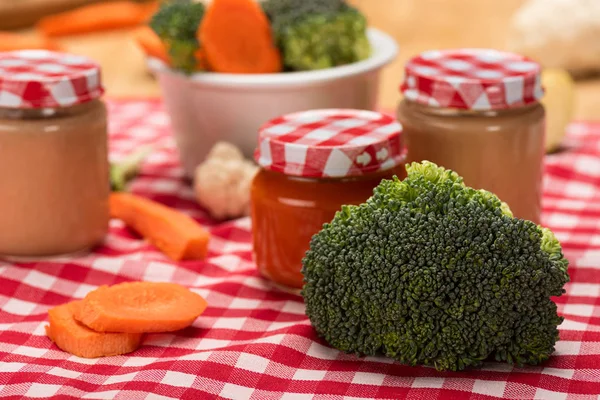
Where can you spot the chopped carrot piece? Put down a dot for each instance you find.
(149, 9)
(177, 235)
(137, 307)
(151, 44)
(10, 41)
(95, 17)
(77, 339)
(201, 58)
(236, 38)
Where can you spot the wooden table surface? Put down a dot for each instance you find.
(417, 25)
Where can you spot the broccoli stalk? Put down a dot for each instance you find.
(430, 271)
(318, 34)
(126, 170)
(176, 23)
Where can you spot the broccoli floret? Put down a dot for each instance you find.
(126, 170)
(176, 23)
(318, 34)
(431, 272)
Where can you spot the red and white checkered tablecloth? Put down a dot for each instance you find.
(254, 341)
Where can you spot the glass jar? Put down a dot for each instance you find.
(53, 155)
(312, 163)
(477, 112)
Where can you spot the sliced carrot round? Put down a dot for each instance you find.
(136, 307)
(151, 44)
(72, 337)
(236, 37)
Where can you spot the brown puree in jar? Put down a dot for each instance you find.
(54, 174)
(478, 112)
(54, 167)
(500, 151)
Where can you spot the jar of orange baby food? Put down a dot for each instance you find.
(312, 163)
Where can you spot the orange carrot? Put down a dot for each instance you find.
(151, 44)
(10, 41)
(200, 56)
(174, 233)
(137, 307)
(236, 38)
(95, 17)
(75, 338)
(149, 9)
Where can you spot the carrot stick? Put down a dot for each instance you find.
(236, 38)
(10, 41)
(177, 235)
(137, 307)
(151, 44)
(149, 9)
(201, 59)
(95, 17)
(75, 338)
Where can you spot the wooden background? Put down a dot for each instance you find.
(417, 25)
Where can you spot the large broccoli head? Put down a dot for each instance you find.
(318, 34)
(176, 23)
(429, 271)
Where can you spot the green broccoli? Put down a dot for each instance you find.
(318, 34)
(176, 23)
(123, 172)
(431, 272)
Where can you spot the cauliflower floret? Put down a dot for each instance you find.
(225, 151)
(558, 33)
(222, 182)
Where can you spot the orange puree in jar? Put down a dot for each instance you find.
(313, 163)
(53, 154)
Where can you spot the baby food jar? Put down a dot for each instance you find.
(477, 112)
(53, 154)
(312, 163)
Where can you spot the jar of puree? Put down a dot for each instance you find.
(312, 163)
(53, 154)
(478, 112)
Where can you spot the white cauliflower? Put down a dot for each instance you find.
(222, 182)
(558, 33)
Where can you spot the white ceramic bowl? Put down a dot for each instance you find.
(208, 107)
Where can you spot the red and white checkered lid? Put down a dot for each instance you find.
(473, 79)
(330, 143)
(45, 79)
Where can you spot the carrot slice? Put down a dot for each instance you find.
(151, 44)
(137, 307)
(177, 235)
(95, 17)
(10, 41)
(148, 10)
(236, 38)
(201, 58)
(77, 339)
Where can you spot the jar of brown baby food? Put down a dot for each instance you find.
(53, 154)
(477, 112)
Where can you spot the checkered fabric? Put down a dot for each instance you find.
(475, 79)
(45, 79)
(330, 143)
(254, 341)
